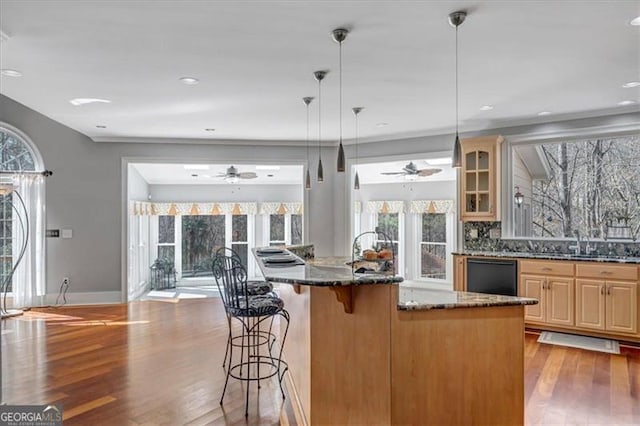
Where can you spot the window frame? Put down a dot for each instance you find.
(450, 237)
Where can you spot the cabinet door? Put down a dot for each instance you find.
(560, 301)
(533, 286)
(622, 306)
(459, 275)
(590, 301)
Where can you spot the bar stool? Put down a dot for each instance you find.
(251, 312)
(254, 288)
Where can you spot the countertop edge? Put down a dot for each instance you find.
(548, 256)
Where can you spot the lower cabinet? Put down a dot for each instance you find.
(606, 305)
(459, 273)
(556, 296)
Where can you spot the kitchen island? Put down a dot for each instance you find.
(360, 351)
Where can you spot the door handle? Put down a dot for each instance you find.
(602, 289)
(608, 289)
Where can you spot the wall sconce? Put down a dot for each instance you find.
(518, 197)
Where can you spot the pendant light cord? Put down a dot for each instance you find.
(356, 140)
(340, 65)
(308, 135)
(457, 80)
(319, 120)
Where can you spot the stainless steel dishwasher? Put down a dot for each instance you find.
(493, 276)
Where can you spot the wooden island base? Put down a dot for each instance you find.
(379, 365)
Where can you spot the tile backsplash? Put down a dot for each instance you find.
(488, 239)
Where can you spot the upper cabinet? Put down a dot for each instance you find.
(480, 179)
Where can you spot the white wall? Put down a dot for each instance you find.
(226, 193)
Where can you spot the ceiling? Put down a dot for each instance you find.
(255, 61)
(170, 174)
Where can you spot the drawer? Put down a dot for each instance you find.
(607, 271)
(546, 267)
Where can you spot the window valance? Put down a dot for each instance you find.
(144, 208)
(432, 206)
(385, 207)
(280, 208)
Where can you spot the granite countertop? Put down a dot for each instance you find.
(419, 299)
(330, 271)
(552, 256)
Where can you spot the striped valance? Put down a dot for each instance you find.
(280, 208)
(144, 208)
(385, 207)
(432, 206)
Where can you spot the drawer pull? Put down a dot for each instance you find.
(546, 268)
(606, 272)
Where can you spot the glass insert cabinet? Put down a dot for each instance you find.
(480, 179)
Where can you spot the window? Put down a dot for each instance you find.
(166, 237)
(239, 237)
(390, 224)
(276, 230)
(296, 229)
(15, 155)
(589, 188)
(284, 229)
(433, 246)
(201, 237)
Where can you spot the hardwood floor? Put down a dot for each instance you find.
(156, 362)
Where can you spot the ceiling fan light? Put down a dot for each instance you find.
(411, 177)
(231, 179)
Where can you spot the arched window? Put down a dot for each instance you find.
(21, 229)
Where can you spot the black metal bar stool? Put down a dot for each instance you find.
(250, 312)
(254, 288)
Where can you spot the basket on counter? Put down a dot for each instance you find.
(380, 259)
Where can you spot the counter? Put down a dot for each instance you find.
(551, 256)
(365, 351)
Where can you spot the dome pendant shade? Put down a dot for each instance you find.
(356, 185)
(320, 171)
(340, 158)
(456, 160)
(307, 181)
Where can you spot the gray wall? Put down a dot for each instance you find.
(86, 190)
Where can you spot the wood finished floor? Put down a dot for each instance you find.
(159, 363)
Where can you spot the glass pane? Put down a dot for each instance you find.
(239, 228)
(433, 261)
(14, 153)
(166, 229)
(243, 251)
(483, 160)
(483, 203)
(483, 181)
(296, 229)
(470, 203)
(388, 223)
(434, 228)
(471, 161)
(276, 227)
(167, 252)
(471, 181)
(201, 237)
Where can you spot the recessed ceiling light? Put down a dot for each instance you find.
(544, 113)
(631, 84)
(10, 73)
(210, 130)
(267, 167)
(269, 175)
(635, 21)
(194, 175)
(189, 80)
(486, 107)
(100, 126)
(382, 124)
(627, 102)
(84, 101)
(196, 167)
(438, 161)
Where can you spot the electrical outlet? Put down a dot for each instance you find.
(65, 281)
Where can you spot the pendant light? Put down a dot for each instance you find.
(319, 75)
(456, 19)
(307, 181)
(356, 111)
(339, 35)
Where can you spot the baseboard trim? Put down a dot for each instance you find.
(298, 411)
(86, 298)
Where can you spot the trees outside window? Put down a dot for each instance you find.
(433, 246)
(201, 237)
(593, 190)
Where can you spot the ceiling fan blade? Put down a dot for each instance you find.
(428, 172)
(247, 175)
(393, 173)
(220, 175)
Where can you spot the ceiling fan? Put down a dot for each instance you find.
(411, 171)
(232, 175)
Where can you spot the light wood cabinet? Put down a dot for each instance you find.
(480, 179)
(555, 296)
(459, 273)
(607, 297)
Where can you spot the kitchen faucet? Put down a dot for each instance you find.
(576, 247)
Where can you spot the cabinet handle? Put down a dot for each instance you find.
(608, 289)
(602, 289)
(606, 272)
(546, 268)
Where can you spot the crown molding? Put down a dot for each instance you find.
(196, 141)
